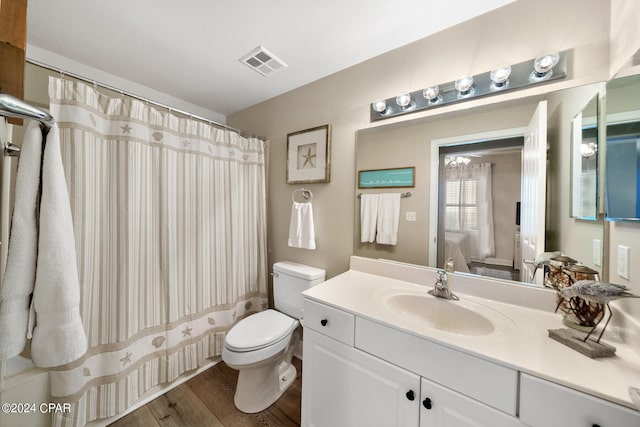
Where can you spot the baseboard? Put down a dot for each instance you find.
(499, 261)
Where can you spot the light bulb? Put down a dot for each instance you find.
(403, 100)
(464, 85)
(543, 65)
(431, 93)
(588, 149)
(379, 106)
(500, 75)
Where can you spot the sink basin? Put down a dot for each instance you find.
(461, 317)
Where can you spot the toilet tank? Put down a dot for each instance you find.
(290, 279)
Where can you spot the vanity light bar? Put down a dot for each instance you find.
(522, 75)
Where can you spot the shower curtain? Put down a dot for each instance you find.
(170, 226)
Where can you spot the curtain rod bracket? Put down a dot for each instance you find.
(11, 150)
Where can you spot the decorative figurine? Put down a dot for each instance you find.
(592, 291)
(597, 292)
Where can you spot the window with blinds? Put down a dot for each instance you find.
(461, 209)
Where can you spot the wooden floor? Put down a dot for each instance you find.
(207, 400)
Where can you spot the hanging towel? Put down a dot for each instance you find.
(368, 217)
(58, 335)
(40, 285)
(19, 276)
(388, 218)
(301, 231)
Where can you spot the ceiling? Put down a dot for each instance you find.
(190, 49)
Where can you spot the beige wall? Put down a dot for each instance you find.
(515, 33)
(390, 148)
(625, 32)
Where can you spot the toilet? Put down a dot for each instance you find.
(261, 345)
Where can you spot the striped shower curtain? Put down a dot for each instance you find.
(170, 229)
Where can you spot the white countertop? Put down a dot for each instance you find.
(523, 344)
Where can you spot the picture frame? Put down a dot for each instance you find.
(388, 178)
(309, 155)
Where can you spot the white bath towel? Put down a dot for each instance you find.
(58, 336)
(301, 230)
(368, 217)
(19, 276)
(388, 218)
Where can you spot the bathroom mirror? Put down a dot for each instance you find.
(584, 162)
(409, 144)
(622, 196)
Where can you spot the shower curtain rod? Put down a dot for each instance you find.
(157, 104)
(10, 106)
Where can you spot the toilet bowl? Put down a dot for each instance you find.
(261, 345)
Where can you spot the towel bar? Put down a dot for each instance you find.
(307, 194)
(402, 195)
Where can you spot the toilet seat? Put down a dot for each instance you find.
(259, 330)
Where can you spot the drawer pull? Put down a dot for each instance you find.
(426, 403)
(410, 395)
(596, 425)
(324, 322)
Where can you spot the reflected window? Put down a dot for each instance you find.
(461, 209)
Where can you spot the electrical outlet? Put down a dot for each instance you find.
(623, 261)
(410, 216)
(597, 252)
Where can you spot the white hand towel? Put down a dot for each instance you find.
(301, 231)
(368, 217)
(388, 218)
(19, 277)
(58, 336)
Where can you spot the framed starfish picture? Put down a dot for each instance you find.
(308, 155)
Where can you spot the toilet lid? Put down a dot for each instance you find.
(259, 330)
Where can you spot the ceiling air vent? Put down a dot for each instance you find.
(263, 61)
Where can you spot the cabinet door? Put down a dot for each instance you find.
(442, 407)
(345, 387)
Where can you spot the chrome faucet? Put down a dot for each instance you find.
(441, 287)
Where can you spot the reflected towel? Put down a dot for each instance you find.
(388, 218)
(20, 274)
(301, 231)
(368, 217)
(58, 335)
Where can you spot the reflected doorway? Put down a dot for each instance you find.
(479, 190)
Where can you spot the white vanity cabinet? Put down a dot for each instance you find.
(346, 386)
(366, 346)
(361, 372)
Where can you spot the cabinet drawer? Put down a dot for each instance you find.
(329, 321)
(485, 381)
(543, 404)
